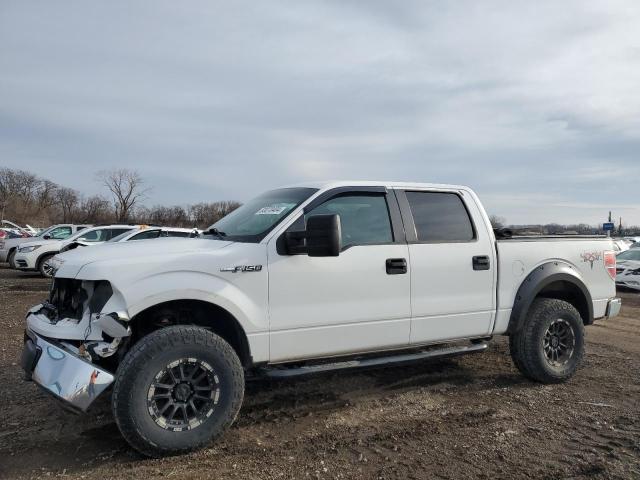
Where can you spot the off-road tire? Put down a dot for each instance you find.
(10, 259)
(139, 369)
(41, 265)
(527, 345)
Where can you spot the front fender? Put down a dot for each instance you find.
(244, 297)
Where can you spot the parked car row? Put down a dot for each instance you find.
(36, 253)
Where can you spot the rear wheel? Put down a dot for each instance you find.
(550, 345)
(178, 389)
(10, 259)
(44, 267)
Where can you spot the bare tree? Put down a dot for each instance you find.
(68, 200)
(126, 186)
(18, 193)
(206, 214)
(95, 209)
(46, 195)
(496, 221)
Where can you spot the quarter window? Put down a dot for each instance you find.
(173, 233)
(440, 217)
(114, 232)
(364, 218)
(95, 236)
(146, 235)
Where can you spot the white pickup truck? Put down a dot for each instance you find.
(300, 280)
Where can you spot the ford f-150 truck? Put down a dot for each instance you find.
(300, 280)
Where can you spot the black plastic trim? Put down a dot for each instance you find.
(481, 262)
(334, 192)
(536, 281)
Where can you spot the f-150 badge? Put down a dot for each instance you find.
(242, 268)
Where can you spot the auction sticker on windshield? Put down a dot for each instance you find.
(276, 209)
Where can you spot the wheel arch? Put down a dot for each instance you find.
(42, 256)
(194, 312)
(551, 280)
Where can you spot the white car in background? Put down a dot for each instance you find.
(140, 232)
(621, 245)
(628, 269)
(36, 254)
(9, 246)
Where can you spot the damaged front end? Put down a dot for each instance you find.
(68, 340)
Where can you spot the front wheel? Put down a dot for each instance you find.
(550, 345)
(178, 389)
(44, 267)
(10, 259)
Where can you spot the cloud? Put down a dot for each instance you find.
(534, 104)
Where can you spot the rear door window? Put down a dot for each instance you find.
(60, 233)
(99, 235)
(114, 232)
(146, 235)
(440, 217)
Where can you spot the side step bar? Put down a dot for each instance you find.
(286, 372)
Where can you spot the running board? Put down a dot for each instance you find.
(285, 372)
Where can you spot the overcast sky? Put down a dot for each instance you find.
(534, 104)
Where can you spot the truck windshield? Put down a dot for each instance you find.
(252, 221)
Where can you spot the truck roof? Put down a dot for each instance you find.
(375, 183)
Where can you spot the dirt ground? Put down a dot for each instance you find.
(468, 417)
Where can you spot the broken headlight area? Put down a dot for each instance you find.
(66, 300)
(69, 298)
(73, 316)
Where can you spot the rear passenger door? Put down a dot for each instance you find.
(452, 266)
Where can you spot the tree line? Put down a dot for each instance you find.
(26, 198)
(559, 229)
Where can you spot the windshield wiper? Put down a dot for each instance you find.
(216, 232)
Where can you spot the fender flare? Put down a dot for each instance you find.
(541, 277)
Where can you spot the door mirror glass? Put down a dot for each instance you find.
(47, 237)
(321, 238)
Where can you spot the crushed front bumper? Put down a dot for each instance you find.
(62, 373)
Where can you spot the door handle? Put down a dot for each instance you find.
(396, 266)
(481, 262)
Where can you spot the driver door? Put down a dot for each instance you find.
(355, 302)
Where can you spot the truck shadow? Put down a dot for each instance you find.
(64, 441)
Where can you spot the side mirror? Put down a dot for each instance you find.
(47, 237)
(322, 237)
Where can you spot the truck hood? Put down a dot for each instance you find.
(69, 264)
(34, 241)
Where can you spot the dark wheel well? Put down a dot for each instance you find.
(570, 293)
(551, 280)
(194, 312)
